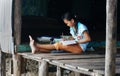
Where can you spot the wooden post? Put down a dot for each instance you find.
(59, 71)
(17, 37)
(16, 65)
(43, 68)
(2, 64)
(17, 22)
(111, 36)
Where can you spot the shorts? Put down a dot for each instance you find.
(75, 48)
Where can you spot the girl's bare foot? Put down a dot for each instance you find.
(32, 45)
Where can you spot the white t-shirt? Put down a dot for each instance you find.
(78, 35)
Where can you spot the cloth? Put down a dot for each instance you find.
(6, 39)
(78, 35)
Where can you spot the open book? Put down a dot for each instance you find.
(68, 42)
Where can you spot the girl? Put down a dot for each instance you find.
(78, 31)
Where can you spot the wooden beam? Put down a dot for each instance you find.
(17, 22)
(43, 68)
(111, 37)
(16, 65)
(2, 64)
(17, 38)
(59, 71)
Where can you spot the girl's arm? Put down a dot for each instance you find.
(86, 39)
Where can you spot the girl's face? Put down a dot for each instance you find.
(69, 23)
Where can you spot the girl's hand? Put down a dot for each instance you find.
(67, 38)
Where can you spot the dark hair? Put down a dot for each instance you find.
(69, 16)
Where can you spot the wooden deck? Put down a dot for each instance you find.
(88, 64)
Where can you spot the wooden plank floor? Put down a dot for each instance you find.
(88, 64)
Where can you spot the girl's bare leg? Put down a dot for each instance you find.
(49, 47)
(40, 47)
(46, 46)
(43, 50)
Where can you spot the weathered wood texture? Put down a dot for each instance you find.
(16, 65)
(111, 37)
(43, 68)
(17, 37)
(2, 64)
(17, 22)
(77, 74)
(89, 64)
(59, 71)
